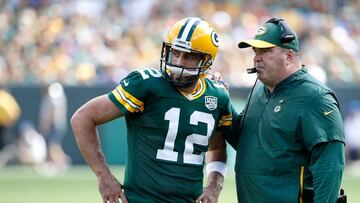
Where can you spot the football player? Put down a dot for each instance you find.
(174, 116)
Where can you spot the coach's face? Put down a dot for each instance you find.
(271, 65)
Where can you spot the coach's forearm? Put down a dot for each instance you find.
(84, 128)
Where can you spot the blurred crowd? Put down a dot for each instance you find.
(87, 42)
(22, 141)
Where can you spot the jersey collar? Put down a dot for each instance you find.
(291, 80)
(198, 91)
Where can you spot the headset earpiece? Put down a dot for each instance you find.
(287, 35)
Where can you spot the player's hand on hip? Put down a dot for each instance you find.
(111, 190)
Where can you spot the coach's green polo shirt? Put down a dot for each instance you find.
(273, 162)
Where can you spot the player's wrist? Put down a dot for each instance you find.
(102, 172)
(216, 166)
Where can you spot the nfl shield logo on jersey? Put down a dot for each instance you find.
(211, 102)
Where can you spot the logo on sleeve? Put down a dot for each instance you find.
(126, 83)
(211, 102)
(326, 113)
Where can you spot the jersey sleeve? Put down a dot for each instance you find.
(226, 113)
(321, 121)
(130, 94)
(232, 134)
(327, 166)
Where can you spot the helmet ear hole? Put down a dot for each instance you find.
(209, 62)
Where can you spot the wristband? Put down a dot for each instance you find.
(216, 166)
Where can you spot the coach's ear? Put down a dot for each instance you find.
(290, 56)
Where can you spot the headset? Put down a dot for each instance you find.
(287, 34)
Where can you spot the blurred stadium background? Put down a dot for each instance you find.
(87, 46)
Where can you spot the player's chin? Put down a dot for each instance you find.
(189, 79)
(182, 79)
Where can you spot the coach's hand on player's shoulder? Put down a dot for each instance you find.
(110, 189)
(218, 78)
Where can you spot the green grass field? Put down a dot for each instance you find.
(78, 185)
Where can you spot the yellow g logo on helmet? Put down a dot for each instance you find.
(215, 38)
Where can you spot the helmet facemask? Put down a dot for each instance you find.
(182, 76)
(190, 36)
